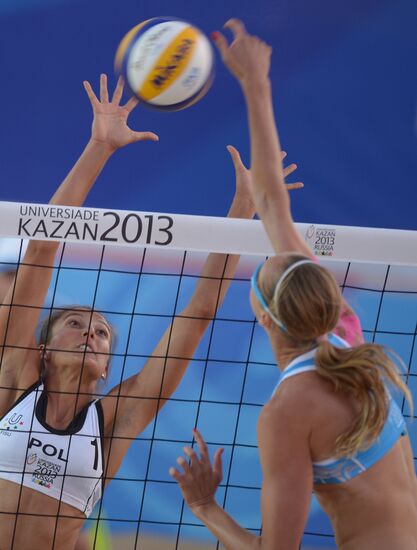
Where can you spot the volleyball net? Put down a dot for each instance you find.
(139, 269)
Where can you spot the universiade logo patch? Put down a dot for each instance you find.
(322, 240)
(45, 473)
(11, 423)
(31, 458)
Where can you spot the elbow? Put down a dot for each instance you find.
(203, 312)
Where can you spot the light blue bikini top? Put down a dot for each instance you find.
(339, 470)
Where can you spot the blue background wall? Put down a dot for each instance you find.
(345, 88)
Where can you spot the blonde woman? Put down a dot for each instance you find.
(331, 425)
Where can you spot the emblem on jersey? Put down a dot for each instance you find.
(12, 422)
(45, 473)
(31, 458)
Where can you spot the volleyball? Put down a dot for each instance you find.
(167, 63)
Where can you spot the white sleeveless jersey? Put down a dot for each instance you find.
(64, 464)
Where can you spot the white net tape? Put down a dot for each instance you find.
(208, 234)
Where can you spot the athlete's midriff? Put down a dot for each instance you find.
(41, 522)
(375, 510)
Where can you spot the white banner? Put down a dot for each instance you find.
(200, 233)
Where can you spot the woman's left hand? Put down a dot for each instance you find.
(110, 118)
(244, 177)
(199, 481)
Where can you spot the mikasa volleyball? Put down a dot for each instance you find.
(166, 62)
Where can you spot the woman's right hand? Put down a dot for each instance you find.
(244, 176)
(244, 185)
(110, 127)
(199, 479)
(247, 57)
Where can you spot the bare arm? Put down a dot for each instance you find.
(198, 482)
(20, 314)
(248, 59)
(131, 405)
(271, 195)
(283, 440)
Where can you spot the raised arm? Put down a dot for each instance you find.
(248, 59)
(20, 313)
(130, 406)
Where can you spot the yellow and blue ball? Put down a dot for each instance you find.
(167, 63)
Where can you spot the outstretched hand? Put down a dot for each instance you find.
(247, 57)
(110, 126)
(199, 480)
(244, 177)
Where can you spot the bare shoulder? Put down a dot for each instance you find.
(284, 431)
(294, 400)
(15, 381)
(300, 391)
(300, 402)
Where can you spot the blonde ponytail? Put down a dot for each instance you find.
(362, 372)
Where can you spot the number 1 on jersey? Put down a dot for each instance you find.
(94, 444)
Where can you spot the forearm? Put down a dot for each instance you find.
(218, 271)
(266, 166)
(35, 273)
(271, 197)
(225, 529)
(72, 192)
(74, 189)
(182, 338)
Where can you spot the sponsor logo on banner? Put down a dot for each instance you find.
(322, 240)
(101, 226)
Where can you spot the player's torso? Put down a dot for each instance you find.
(47, 473)
(380, 499)
(64, 464)
(375, 510)
(40, 520)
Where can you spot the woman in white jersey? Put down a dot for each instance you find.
(331, 423)
(58, 445)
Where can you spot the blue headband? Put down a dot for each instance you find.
(261, 299)
(258, 293)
